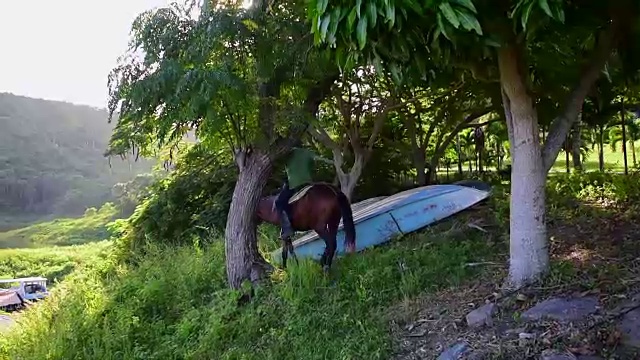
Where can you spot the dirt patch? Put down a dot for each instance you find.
(595, 257)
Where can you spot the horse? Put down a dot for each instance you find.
(318, 207)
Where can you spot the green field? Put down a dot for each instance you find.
(613, 160)
(60, 232)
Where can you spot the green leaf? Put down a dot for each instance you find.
(324, 25)
(544, 5)
(390, 16)
(351, 19)
(361, 32)
(372, 13)
(466, 3)
(395, 72)
(322, 6)
(441, 26)
(333, 27)
(468, 21)
(250, 24)
(559, 12)
(415, 7)
(358, 5)
(448, 12)
(525, 15)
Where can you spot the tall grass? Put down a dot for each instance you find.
(175, 305)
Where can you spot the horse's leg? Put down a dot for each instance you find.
(285, 253)
(293, 253)
(332, 243)
(331, 238)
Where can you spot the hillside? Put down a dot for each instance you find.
(51, 160)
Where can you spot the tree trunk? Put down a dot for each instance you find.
(419, 161)
(576, 143)
(633, 151)
(601, 148)
(529, 256)
(348, 181)
(243, 260)
(459, 154)
(624, 137)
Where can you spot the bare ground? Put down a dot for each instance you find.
(595, 253)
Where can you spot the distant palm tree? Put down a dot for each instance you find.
(633, 134)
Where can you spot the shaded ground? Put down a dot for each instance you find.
(595, 259)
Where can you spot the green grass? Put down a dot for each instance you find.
(54, 263)
(60, 232)
(175, 305)
(613, 160)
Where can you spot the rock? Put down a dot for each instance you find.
(455, 352)
(551, 354)
(482, 315)
(629, 326)
(564, 310)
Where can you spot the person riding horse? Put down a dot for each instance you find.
(299, 168)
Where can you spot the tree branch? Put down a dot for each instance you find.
(562, 124)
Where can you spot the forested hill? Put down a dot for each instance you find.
(51, 158)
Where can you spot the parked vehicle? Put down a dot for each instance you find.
(24, 290)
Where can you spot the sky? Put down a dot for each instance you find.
(64, 49)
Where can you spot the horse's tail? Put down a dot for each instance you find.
(347, 220)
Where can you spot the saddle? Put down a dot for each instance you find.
(302, 191)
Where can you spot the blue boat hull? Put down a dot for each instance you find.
(377, 222)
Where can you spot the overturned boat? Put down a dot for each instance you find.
(378, 220)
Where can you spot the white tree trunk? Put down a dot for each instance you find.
(529, 256)
(243, 260)
(348, 181)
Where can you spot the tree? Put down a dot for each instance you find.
(435, 115)
(361, 99)
(514, 43)
(236, 77)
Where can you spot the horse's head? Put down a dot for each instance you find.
(266, 209)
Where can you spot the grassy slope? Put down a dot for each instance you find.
(60, 232)
(54, 263)
(175, 305)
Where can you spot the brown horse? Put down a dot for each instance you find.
(320, 209)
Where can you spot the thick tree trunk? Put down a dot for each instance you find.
(576, 143)
(529, 256)
(244, 262)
